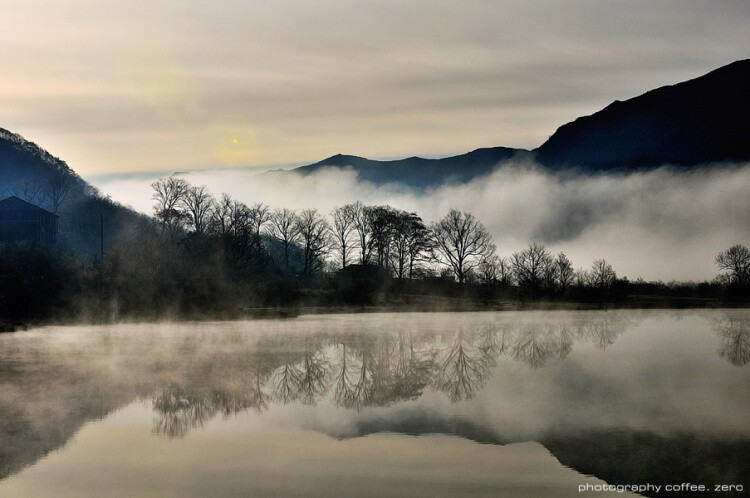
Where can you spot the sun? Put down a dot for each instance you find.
(235, 141)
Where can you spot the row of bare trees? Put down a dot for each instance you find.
(394, 240)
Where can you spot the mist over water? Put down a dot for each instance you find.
(663, 224)
(258, 407)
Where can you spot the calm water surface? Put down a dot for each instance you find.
(497, 404)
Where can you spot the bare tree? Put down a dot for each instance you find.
(564, 272)
(284, 228)
(488, 270)
(505, 271)
(460, 241)
(58, 185)
(736, 261)
(221, 219)
(241, 224)
(169, 194)
(531, 265)
(361, 214)
(343, 230)
(602, 275)
(258, 216)
(581, 277)
(314, 233)
(410, 239)
(382, 221)
(31, 191)
(199, 204)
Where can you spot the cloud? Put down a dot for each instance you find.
(660, 224)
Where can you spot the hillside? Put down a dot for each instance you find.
(33, 174)
(703, 120)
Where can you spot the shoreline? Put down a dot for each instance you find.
(414, 304)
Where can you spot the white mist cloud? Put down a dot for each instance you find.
(660, 224)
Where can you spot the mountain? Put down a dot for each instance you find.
(703, 120)
(700, 121)
(26, 169)
(31, 173)
(419, 172)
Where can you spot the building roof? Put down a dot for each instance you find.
(13, 203)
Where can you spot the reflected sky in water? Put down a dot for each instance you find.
(605, 393)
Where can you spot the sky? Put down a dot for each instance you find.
(118, 87)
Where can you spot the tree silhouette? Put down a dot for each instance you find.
(284, 228)
(736, 261)
(531, 265)
(169, 196)
(198, 204)
(343, 230)
(461, 241)
(314, 237)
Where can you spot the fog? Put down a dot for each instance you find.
(663, 224)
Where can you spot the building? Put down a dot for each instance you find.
(21, 221)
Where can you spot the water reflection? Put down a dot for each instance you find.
(602, 380)
(360, 370)
(734, 332)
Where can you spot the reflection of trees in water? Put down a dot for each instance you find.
(180, 410)
(462, 368)
(734, 333)
(285, 383)
(413, 368)
(537, 344)
(603, 332)
(313, 382)
(358, 370)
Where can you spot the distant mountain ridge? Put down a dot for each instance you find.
(699, 121)
(418, 171)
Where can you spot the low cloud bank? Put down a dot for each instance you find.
(661, 224)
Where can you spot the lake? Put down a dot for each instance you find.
(528, 403)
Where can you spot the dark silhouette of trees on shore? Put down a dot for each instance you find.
(200, 256)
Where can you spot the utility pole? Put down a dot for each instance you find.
(101, 237)
(101, 266)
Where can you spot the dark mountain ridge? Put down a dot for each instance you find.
(700, 121)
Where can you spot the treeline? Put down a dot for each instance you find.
(207, 257)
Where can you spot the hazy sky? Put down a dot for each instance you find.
(114, 86)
